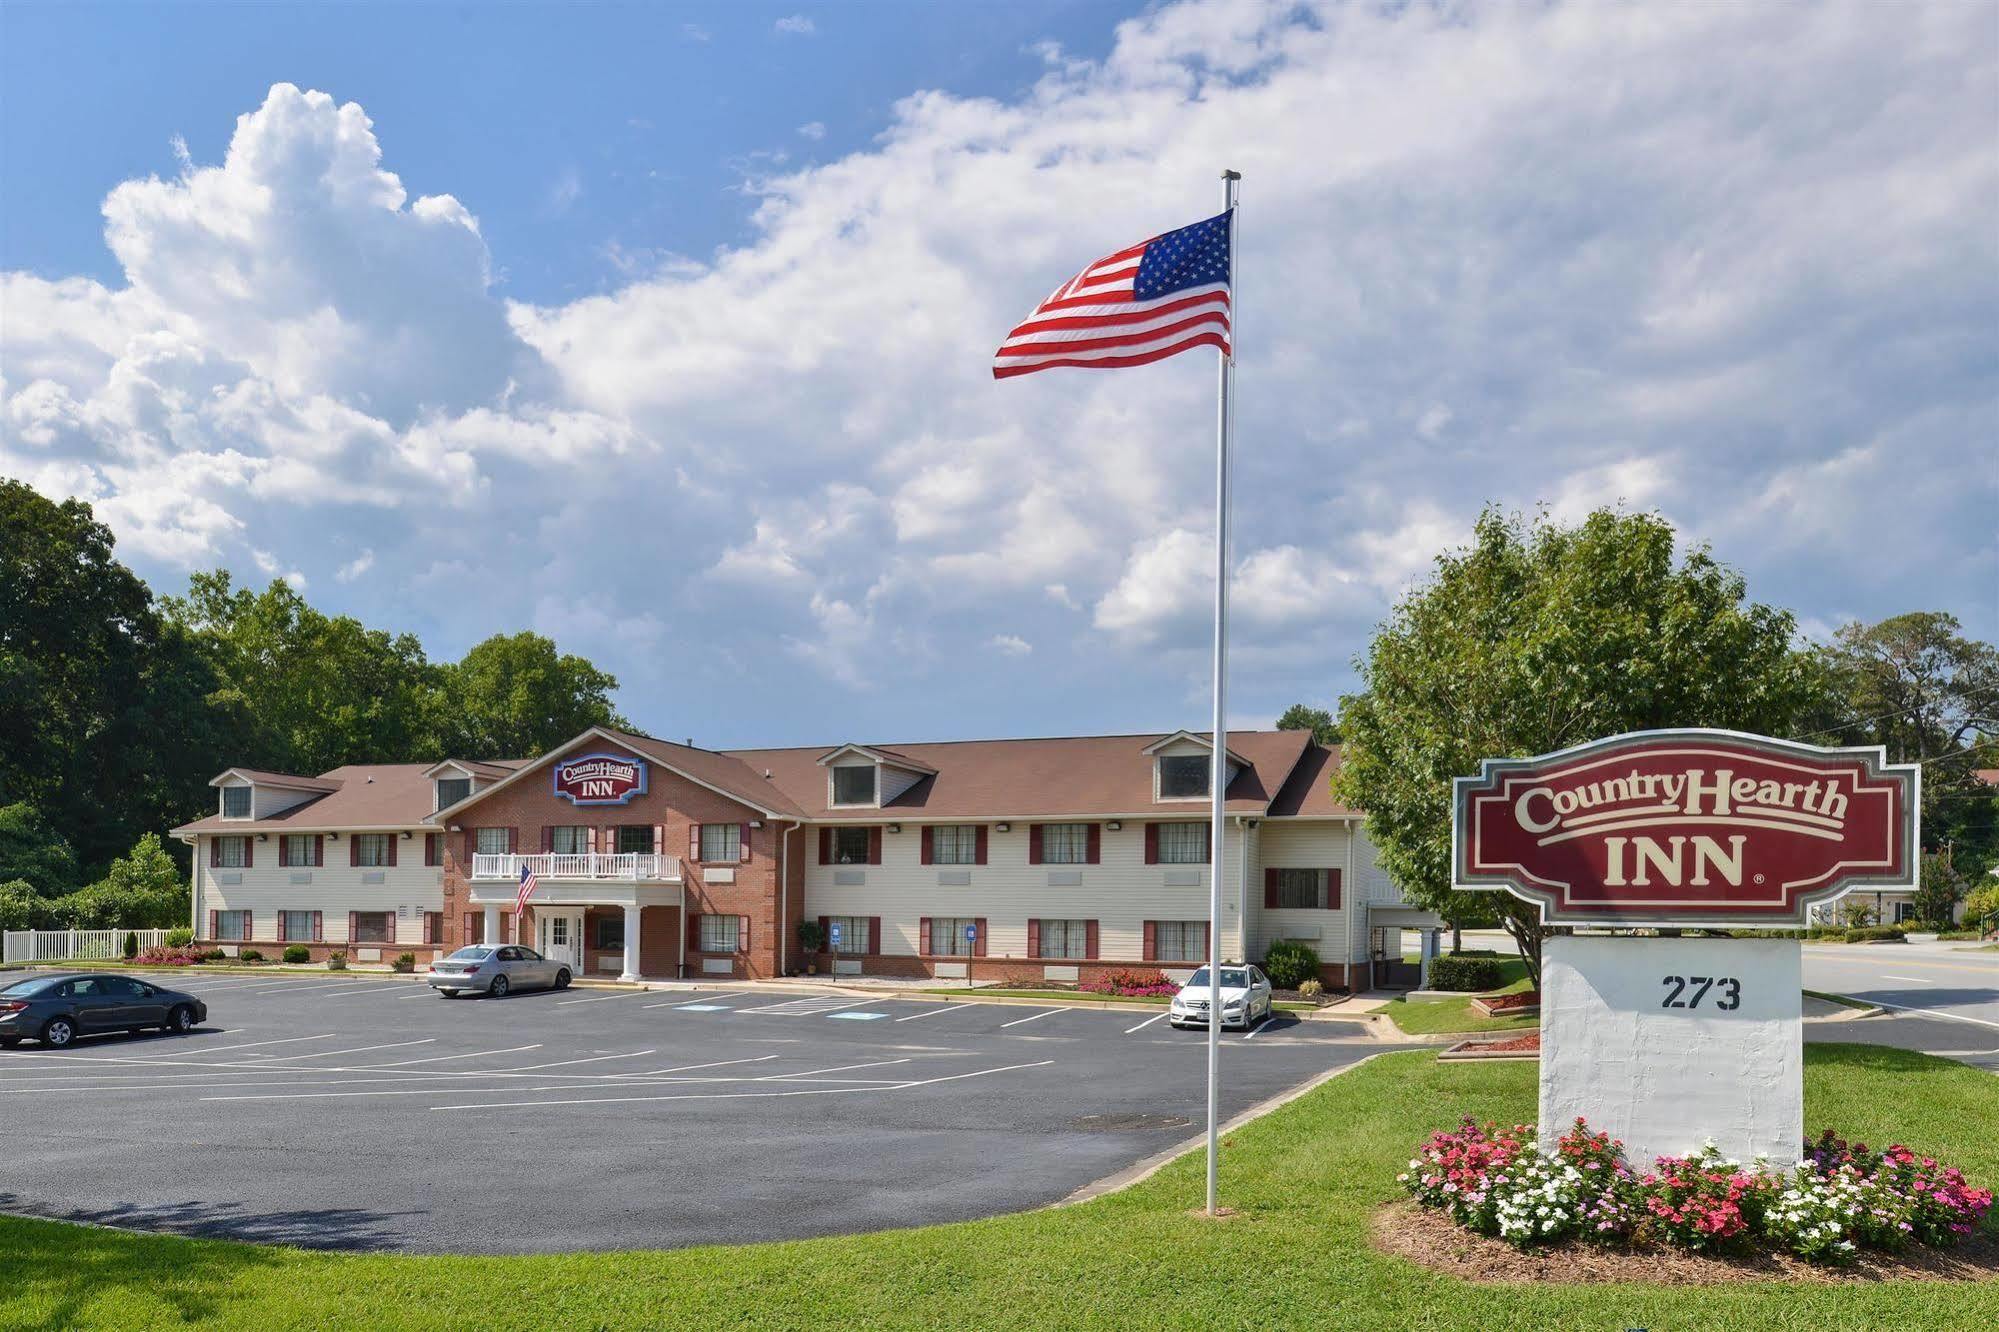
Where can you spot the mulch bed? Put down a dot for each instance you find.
(1518, 1004)
(1432, 1240)
(1528, 1044)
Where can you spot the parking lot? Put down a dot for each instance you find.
(357, 1112)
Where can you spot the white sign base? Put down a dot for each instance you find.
(1665, 1043)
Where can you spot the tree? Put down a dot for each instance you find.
(1300, 717)
(1538, 637)
(21, 907)
(514, 696)
(31, 852)
(1981, 908)
(143, 890)
(1939, 889)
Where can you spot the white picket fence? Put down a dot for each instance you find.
(75, 945)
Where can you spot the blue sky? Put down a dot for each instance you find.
(666, 330)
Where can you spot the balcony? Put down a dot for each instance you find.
(625, 868)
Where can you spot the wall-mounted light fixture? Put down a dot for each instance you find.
(333, 837)
(895, 827)
(263, 837)
(1003, 827)
(758, 823)
(1114, 825)
(408, 835)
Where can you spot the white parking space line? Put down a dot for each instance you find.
(933, 1012)
(352, 1049)
(391, 989)
(1143, 1025)
(685, 1068)
(977, 1073)
(246, 1045)
(701, 1004)
(473, 1054)
(593, 1059)
(1933, 1012)
(600, 998)
(837, 1068)
(1017, 1021)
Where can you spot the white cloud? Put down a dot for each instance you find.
(1011, 645)
(795, 25)
(813, 130)
(355, 567)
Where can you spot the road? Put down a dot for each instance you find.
(1944, 997)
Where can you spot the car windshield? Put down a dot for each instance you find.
(471, 955)
(33, 985)
(1233, 978)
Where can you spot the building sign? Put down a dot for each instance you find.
(1686, 828)
(600, 779)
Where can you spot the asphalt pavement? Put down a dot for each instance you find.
(1941, 998)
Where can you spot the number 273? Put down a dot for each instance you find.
(1679, 986)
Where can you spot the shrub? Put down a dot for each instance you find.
(1704, 1201)
(1473, 952)
(811, 939)
(1866, 933)
(1982, 906)
(405, 962)
(131, 949)
(1127, 981)
(1458, 972)
(1311, 988)
(180, 937)
(168, 956)
(297, 953)
(213, 955)
(250, 955)
(336, 961)
(1289, 964)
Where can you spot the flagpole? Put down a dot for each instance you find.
(1218, 771)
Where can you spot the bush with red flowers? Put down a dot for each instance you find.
(1131, 981)
(159, 956)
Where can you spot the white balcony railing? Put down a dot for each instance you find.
(630, 866)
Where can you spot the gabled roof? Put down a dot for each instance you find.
(1089, 776)
(1308, 792)
(493, 768)
(286, 780)
(876, 754)
(1202, 738)
(359, 795)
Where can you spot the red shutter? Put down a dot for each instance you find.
(659, 839)
(694, 842)
(1090, 940)
(249, 853)
(430, 857)
(426, 928)
(1207, 938)
(319, 850)
(1033, 937)
(874, 934)
(284, 851)
(471, 846)
(742, 934)
(1332, 890)
(981, 857)
(927, 844)
(874, 846)
(547, 839)
(352, 927)
(281, 926)
(1152, 844)
(825, 846)
(473, 922)
(393, 839)
(353, 850)
(319, 927)
(215, 853)
(746, 844)
(214, 922)
(922, 935)
(1096, 849)
(513, 841)
(825, 934)
(979, 943)
(1034, 844)
(1151, 946)
(694, 934)
(1270, 888)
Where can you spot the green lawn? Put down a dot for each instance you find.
(1305, 1180)
(1430, 1017)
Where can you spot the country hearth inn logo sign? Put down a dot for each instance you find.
(600, 779)
(1686, 827)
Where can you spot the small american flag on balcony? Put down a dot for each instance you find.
(1137, 306)
(527, 889)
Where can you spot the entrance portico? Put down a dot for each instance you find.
(567, 887)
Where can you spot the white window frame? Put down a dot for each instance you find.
(249, 794)
(954, 927)
(1159, 775)
(443, 803)
(726, 848)
(854, 934)
(954, 844)
(1172, 843)
(874, 785)
(720, 933)
(1072, 939)
(1075, 841)
(1190, 942)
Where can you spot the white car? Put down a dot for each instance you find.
(1245, 999)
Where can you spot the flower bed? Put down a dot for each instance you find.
(1129, 982)
(1519, 1004)
(1839, 1200)
(161, 956)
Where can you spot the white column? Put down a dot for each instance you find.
(631, 971)
(492, 933)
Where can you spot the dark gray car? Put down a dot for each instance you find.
(55, 1010)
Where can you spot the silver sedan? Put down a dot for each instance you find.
(495, 970)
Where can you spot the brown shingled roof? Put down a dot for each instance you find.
(360, 795)
(289, 780)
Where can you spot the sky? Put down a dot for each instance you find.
(666, 330)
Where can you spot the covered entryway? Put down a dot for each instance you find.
(1389, 967)
(559, 936)
(569, 889)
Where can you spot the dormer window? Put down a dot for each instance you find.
(235, 802)
(1183, 776)
(451, 790)
(854, 784)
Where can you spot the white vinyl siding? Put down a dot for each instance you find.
(403, 892)
(721, 843)
(1065, 843)
(718, 934)
(1183, 843)
(954, 844)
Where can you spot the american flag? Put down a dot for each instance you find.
(527, 889)
(1134, 307)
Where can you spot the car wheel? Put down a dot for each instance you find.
(181, 1019)
(562, 979)
(498, 989)
(57, 1033)
(449, 994)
